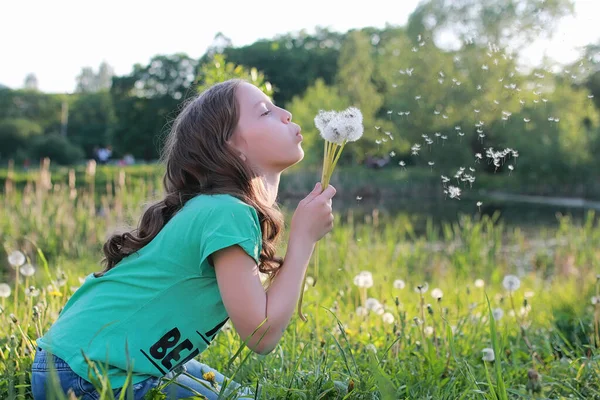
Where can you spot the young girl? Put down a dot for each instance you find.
(192, 264)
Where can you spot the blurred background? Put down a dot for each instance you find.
(508, 91)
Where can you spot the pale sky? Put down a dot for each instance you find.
(55, 39)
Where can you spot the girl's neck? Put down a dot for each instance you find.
(271, 181)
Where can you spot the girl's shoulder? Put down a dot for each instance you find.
(216, 203)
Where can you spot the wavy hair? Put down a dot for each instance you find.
(199, 160)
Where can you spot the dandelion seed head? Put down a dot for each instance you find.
(437, 293)
(16, 259)
(364, 279)
(511, 283)
(4, 290)
(27, 270)
(479, 283)
(388, 318)
(488, 354)
(399, 284)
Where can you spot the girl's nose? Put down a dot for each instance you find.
(287, 116)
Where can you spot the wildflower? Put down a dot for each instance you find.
(323, 119)
(437, 293)
(361, 311)
(371, 303)
(511, 283)
(422, 288)
(4, 290)
(488, 354)
(31, 291)
(210, 377)
(399, 284)
(428, 330)
(27, 270)
(497, 313)
(388, 318)
(16, 259)
(364, 279)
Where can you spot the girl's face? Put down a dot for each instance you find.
(265, 134)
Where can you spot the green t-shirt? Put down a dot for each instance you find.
(160, 305)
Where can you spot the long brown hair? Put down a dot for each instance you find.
(199, 160)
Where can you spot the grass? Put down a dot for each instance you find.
(408, 345)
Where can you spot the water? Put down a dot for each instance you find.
(512, 213)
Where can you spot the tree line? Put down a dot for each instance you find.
(453, 101)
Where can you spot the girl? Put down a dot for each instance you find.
(192, 264)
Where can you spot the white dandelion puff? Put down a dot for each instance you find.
(422, 288)
(16, 259)
(437, 293)
(4, 290)
(388, 318)
(488, 354)
(511, 283)
(364, 279)
(399, 284)
(479, 283)
(361, 311)
(497, 313)
(27, 270)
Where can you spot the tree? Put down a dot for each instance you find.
(512, 23)
(291, 62)
(90, 82)
(15, 134)
(91, 120)
(31, 82)
(218, 69)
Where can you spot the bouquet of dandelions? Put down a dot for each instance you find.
(337, 128)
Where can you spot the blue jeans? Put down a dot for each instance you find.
(84, 390)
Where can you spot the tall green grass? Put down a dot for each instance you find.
(409, 345)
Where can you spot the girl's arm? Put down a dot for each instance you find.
(245, 299)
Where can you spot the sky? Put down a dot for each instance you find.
(55, 39)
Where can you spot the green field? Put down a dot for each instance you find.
(384, 341)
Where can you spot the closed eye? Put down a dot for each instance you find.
(266, 113)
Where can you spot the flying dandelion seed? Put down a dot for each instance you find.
(392, 154)
(402, 164)
(479, 204)
(358, 198)
(526, 120)
(454, 192)
(510, 169)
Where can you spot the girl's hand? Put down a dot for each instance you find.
(313, 217)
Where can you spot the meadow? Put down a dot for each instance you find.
(469, 309)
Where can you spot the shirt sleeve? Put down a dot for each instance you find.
(229, 224)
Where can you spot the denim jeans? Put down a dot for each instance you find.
(84, 390)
